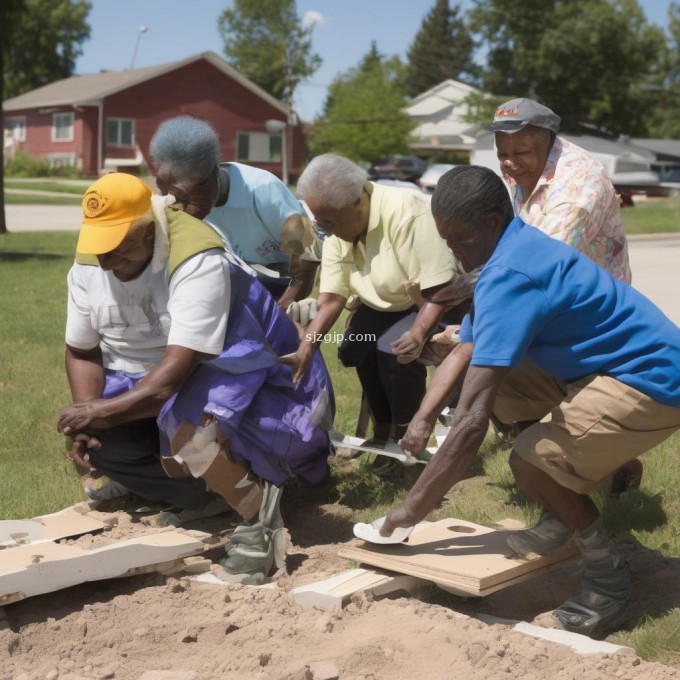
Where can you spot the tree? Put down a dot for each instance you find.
(43, 43)
(664, 91)
(583, 59)
(40, 41)
(364, 113)
(266, 42)
(442, 49)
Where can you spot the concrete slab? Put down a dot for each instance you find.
(15, 532)
(580, 644)
(332, 593)
(36, 569)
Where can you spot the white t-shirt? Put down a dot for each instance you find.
(134, 321)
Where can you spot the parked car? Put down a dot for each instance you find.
(428, 180)
(403, 168)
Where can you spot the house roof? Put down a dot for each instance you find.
(595, 145)
(91, 89)
(439, 97)
(440, 114)
(663, 148)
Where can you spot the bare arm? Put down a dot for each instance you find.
(329, 308)
(435, 301)
(409, 346)
(456, 454)
(439, 393)
(303, 273)
(142, 401)
(85, 373)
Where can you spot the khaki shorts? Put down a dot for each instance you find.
(588, 429)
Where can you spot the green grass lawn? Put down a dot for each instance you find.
(76, 187)
(652, 216)
(36, 478)
(37, 199)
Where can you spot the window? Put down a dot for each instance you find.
(62, 127)
(258, 147)
(120, 132)
(16, 128)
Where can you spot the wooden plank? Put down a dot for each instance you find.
(461, 556)
(45, 567)
(332, 593)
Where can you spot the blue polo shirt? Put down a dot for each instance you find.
(540, 298)
(252, 218)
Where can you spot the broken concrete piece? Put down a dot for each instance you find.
(323, 670)
(581, 644)
(45, 567)
(15, 532)
(332, 593)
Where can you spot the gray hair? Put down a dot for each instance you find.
(468, 194)
(188, 147)
(332, 180)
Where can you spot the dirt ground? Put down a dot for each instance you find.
(173, 628)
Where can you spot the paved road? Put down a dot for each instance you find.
(43, 217)
(655, 260)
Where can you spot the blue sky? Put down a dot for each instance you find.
(343, 31)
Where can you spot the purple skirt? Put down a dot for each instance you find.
(277, 428)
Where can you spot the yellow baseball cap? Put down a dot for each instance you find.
(110, 206)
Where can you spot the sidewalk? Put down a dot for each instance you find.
(43, 217)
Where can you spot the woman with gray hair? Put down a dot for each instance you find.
(379, 238)
(264, 224)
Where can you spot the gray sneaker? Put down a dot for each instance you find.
(546, 537)
(250, 555)
(256, 547)
(108, 492)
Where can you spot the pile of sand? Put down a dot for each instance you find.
(168, 628)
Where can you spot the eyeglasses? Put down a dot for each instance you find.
(330, 226)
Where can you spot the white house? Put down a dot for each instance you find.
(440, 113)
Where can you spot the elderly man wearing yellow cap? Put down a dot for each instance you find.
(171, 356)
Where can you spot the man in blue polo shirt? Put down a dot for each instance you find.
(608, 389)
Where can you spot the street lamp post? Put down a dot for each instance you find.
(275, 127)
(142, 29)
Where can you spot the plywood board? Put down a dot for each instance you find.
(42, 568)
(461, 556)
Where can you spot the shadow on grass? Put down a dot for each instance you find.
(19, 256)
(633, 510)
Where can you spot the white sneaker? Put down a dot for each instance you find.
(108, 492)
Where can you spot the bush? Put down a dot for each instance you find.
(25, 165)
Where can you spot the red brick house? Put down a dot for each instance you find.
(105, 121)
